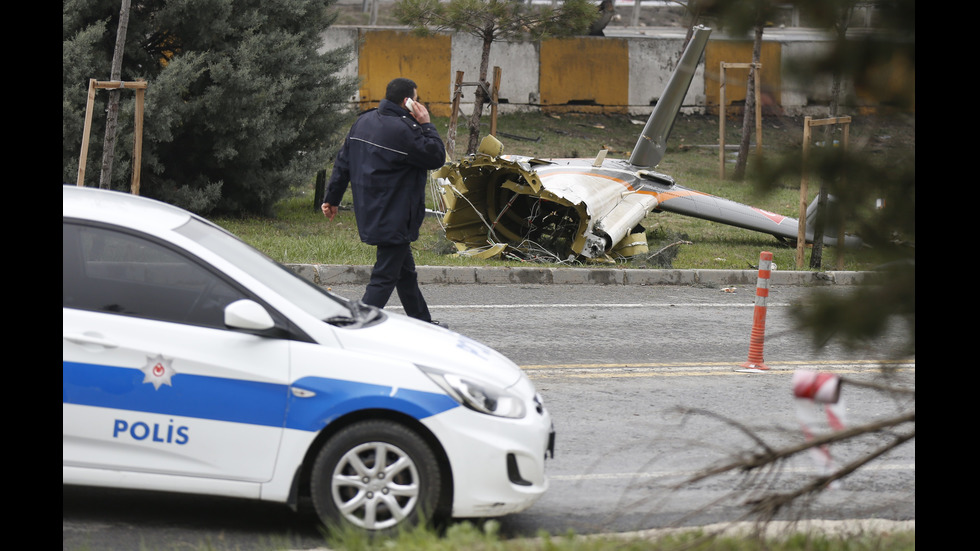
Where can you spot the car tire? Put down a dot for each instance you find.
(351, 487)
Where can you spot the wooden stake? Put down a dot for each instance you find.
(721, 121)
(804, 182)
(494, 96)
(808, 122)
(140, 87)
(454, 116)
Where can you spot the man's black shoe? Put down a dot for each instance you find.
(442, 324)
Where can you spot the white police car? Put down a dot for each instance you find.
(193, 363)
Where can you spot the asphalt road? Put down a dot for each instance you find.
(619, 365)
(641, 383)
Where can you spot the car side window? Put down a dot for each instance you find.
(118, 272)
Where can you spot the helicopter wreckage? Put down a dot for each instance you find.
(591, 208)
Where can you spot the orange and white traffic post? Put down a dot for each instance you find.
(755, 362)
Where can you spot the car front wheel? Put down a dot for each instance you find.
(376, 475)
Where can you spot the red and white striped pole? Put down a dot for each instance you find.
(813, 390)
(757, 340)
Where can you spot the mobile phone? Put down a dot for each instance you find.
(410, 104)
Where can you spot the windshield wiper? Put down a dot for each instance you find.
(341, 321)
(361, 315)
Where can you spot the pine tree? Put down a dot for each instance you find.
(240, 105)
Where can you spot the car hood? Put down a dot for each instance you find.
(408, 339)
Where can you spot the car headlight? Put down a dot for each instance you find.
(477, 395)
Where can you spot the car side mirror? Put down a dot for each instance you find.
(249, 315)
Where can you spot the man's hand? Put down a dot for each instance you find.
(420, 113)
(329, 210)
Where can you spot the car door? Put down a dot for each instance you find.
(152, 380)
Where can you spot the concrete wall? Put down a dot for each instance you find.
(622, 74)
(519, 63)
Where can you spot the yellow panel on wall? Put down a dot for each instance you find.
(385, 55)
(585, 74)
(735, 79)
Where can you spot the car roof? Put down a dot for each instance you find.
(120, 208)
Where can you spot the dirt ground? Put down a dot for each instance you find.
(869, 131)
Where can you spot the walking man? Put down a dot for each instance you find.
(385, 158)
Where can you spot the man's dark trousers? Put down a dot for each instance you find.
(394, 268)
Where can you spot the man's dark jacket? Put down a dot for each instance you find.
(385, 157)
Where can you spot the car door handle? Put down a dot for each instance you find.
(89, 339)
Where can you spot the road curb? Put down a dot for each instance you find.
(335, 274)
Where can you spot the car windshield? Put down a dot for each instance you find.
(299, 291)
